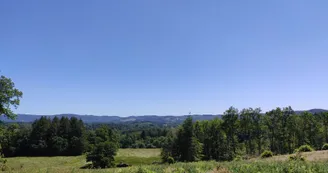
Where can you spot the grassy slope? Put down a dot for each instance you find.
(147, 156)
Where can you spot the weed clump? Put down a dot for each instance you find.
(297, 157)
(170, 160)
(305, 148)
(266, 154)
(324, 147)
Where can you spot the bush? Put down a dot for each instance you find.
(324, 147)
(305, 148)
(170, 160)
(266, 154)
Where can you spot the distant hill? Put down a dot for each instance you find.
(115, 119)
(313, 111)
(144, 118)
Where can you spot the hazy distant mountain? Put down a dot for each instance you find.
(313, 111)
(117, 119)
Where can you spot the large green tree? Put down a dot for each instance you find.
(105, 146)
(9, 97)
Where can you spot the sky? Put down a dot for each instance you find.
(151, 57)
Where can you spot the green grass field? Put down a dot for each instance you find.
(141, 160)
(132, 157)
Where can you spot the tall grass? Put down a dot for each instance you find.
(73, 165)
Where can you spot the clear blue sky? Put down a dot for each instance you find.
(165, 57)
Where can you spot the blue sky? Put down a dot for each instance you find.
(165, 57)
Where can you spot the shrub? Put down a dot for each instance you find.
(324, 147)
(266, 154)
(305, 148)
(170, 160)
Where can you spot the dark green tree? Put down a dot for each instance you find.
(259, 130)
(190, 148)
(230, 124)
(216, 141)
(39, 136)
(76, 137)
(55, 145)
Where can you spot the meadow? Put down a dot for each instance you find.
(142, 159)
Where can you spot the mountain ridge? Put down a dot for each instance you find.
(142, 118)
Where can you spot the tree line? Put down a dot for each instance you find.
(46, 137)
(63, 136)
(245, 133)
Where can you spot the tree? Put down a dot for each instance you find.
(9, 97)
(102, 156)
(170, 147)
(190, 148)
(54, 141)
(230, 124)
(215, 142)
(324, 121)
(246, 128)
(104, 148)
(39, 136)
(184, 146)
(76, 137)
(310, 130)
(258, 129)
(273, 122)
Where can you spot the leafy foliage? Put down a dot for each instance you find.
(9, 96)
